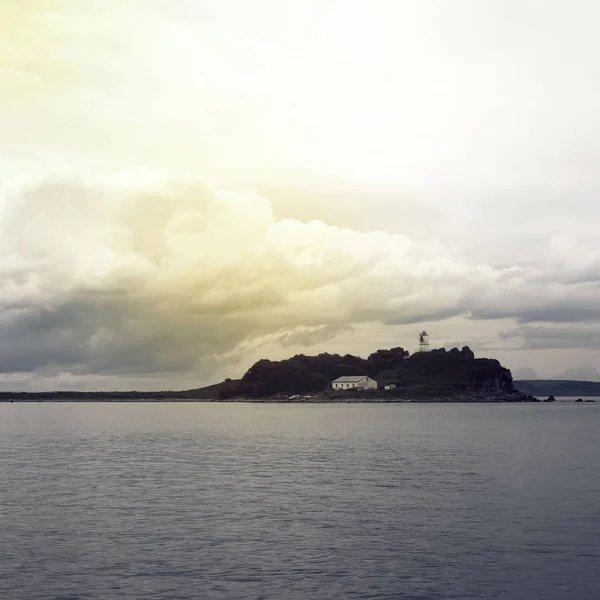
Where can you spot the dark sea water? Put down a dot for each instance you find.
(194, 501)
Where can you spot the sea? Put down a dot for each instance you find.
(177, 501)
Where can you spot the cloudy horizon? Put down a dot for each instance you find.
(187, 187)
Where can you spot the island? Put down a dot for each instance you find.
(434, 376)
(387, 375)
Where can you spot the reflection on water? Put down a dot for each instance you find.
(194, 501)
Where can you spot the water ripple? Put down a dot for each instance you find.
(249, 502)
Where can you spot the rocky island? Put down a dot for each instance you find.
(434, 376)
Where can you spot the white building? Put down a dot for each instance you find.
(354, 382)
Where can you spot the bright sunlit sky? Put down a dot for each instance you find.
(190, 185)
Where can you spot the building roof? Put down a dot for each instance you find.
(350, 378)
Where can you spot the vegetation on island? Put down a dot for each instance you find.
(430, 374)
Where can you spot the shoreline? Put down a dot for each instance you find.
(268, 401)
(328, 397)
(277, 400)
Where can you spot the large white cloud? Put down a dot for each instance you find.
(143, 272)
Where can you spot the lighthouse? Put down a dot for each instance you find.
(423, 342)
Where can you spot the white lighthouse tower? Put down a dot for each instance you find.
(423, 342)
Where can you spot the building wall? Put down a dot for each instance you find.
(370, 384)
(343, 386)
(364, 384)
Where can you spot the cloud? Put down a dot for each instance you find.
(582, 373)
(311, 336)
(143, 272)
(556, 336)
(525, 373)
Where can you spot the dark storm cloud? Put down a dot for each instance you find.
(101, 333)
(561, 312)
(543, 337)
(540, 294)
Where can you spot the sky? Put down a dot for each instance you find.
(187, 186)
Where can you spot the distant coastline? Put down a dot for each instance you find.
(558, 387)
(357, 397)
(524, 391)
